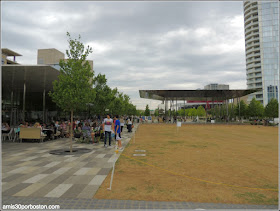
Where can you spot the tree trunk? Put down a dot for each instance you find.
(71, 131)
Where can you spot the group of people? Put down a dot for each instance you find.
(88, 128)
(115, 126)
(5, 127)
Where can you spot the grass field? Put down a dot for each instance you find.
(245, 156)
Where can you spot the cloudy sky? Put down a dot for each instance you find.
(137, 45)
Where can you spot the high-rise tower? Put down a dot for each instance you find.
(261, 23)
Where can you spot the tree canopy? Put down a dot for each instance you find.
(255, 108)
(147, 111)
(73, 89)
(112, 99)
(271, 109)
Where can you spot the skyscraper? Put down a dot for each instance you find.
(261, 23)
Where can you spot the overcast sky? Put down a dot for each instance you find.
(137, 45)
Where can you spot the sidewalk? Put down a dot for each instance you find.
(30, 175)
(30, 171)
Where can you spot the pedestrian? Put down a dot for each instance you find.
(114, 121)
(107, 127)
(129, 125)
(118, 133)
(122, 123)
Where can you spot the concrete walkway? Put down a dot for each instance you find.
(30, 175)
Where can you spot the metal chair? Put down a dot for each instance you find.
(9, 135)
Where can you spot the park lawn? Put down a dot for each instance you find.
(239, 155)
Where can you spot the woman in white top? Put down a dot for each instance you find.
(129, 125)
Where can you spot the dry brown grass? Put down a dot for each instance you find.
(236, 155)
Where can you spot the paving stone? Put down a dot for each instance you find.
(71, 159)
(52, 164)
(35, 178)
(74, 191)
(46, 155)
(93, 171)
(100, 156)
(31, 169)
(108, 155)
(29, 158)
(104, 171)
(97, 180)
(82, 171)
(88, 192)
(79, 179)
(60, 179)
(12, 177)
(17, 188)
(113, 158)
(30, 189)
(7, 186)
(18, 154)
(48, 179)
(59, 190)
(61, 170)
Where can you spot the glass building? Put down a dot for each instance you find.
(261, 23)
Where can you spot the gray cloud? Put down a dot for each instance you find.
(138, 45)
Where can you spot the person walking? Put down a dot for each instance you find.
(129, 125)
(108, 127)
(122, 123)
(118, 133)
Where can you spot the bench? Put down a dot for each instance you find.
(31, 133)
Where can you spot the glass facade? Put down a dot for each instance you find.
(268, 13)
(261, 23)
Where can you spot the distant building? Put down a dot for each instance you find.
(52, 57)
(25, 88)
(216, 87)
(6, 53)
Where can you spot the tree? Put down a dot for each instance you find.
(243, 109)
(73, 89)
(139, 112)
(147, 111)
(103, 95)
(156, 112)
(271, 109)
(201, 111)
(255, 108)
(192, 112)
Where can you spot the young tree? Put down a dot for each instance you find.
(73, 89)
(201, 111)
(147, 111)
(255, 108)
(271, 109)
(243, 109)
(156, 112)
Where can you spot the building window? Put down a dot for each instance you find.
(272, 92)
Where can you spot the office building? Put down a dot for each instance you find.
(261, 27)
(216, 87)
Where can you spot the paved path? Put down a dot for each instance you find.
(75, 203)
(30, 175)
(30, 171)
